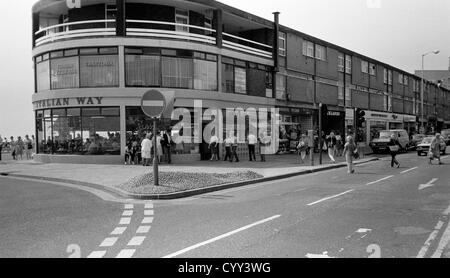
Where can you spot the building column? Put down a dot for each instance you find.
(123, 129)
(121, 66)
(275, 54)
(218, 24)
(121, 22)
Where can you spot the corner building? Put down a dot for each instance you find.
(93, 64)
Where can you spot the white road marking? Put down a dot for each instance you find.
(329, 198)
(119, 231)
(380, 180)
(126, 254)
(430, 240)
(445, 240)
(125, 221)
(143, 230)
(127, 213)
(434, 234)
(148, 213)
(319, 256)
(109, 242)
(147, 220)
(136, 241)
(409, 170)
(97, 255)
(149, 206)
(429, 184)
(220, 237)
(129, 206)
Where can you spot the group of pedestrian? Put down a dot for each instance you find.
(143, 151)
(18, 148)
(231, 147)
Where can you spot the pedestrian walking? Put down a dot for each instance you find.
(435, 149)
(20, 147)
(234, 147)
(159, 148)
(264, 141)
(252, 141)
(350, 150)
(146, 149)
(302, 147)
(331, 145)
(167, 147)
(214, 147)
(128, 147)
(228, 145)
(28, 147)
(394, 149)
(339, 145)
(12, 147)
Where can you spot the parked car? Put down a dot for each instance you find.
(424, 146)
(381, 143)
(416, 140)
(446, 135)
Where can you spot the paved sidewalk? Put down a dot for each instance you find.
(111, 176)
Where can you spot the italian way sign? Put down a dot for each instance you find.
(153, 104)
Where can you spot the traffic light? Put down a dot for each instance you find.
(360, 117)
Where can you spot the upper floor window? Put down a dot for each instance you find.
(372, 69)
(282, 44)
(341, 63)
(400, 79)
(321, 52)
(348, 64)
(364, 66)
(405, 80)
(308, 49)
(385, 71)
(390, 78)
(182, 18)
(208, 24)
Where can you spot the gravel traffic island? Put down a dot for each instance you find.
(174, 182)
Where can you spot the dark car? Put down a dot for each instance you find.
(416, 140)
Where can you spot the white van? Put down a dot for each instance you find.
(381, 144)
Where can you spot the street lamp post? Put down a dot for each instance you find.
(423, 84)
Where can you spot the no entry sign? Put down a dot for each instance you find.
(153, 104)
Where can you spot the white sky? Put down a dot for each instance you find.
(398, 33)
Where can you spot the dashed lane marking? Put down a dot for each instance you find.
(147, 220)
(129, 206)
(149, 213)
(126, 254)
(119, 231)
(409, 170)
(109, 242)
(136, 241)
(380, 180)
(173, 255)
(125, 221)
(127, 213)
(329, 198)
(97, 255)
(149, 206)
(143, 230)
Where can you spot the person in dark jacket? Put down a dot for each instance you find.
(394, 148)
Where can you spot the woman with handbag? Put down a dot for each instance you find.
(350, 151)
(394, 148)
(435, 149)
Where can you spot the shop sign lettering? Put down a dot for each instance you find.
(64, 102)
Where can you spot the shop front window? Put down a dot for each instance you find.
(375, 128)
(143, 70)
(99, 71)
(87, 131)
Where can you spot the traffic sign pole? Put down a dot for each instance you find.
(155, 160)
(153, 105)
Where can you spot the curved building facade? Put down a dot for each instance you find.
(93, 64)
(95, 59)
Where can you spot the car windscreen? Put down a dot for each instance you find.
(427, 140)
(385, 134)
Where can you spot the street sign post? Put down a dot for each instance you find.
(153, 105)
